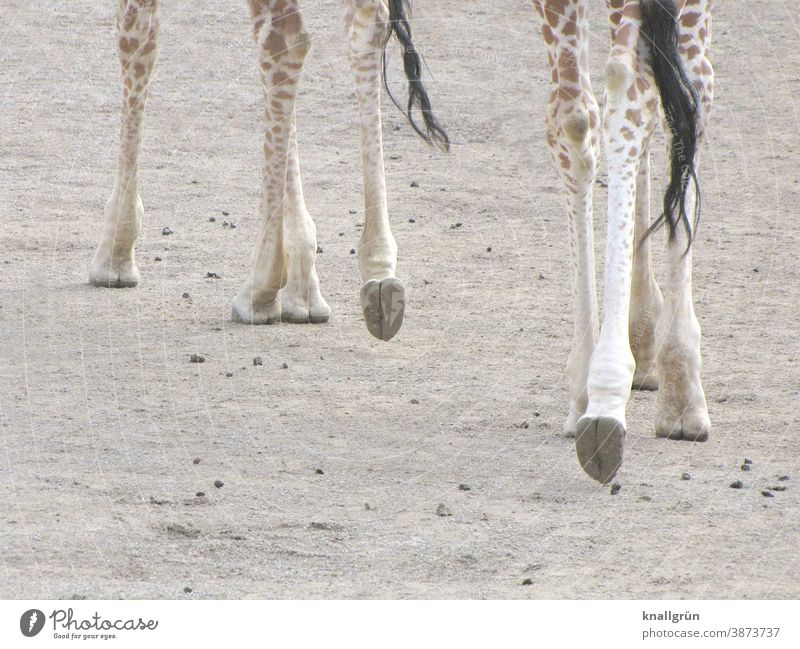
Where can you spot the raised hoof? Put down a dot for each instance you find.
(383, 303)
(599, 443)
(126, 277)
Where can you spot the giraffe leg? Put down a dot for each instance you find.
(573, 134)
(114, 263)
(629, 120)
(681, 410)
(382, 295)
(646, 299)
(282, 44)
(301, 300)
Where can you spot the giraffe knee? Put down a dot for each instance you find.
(576, 125)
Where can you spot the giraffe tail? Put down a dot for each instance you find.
(681, 106)
(431, 130)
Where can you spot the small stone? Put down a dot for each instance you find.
(367, 506)
(353, 211)
(412, 220)
(685, 476)
(746, 461)
(489, 249)
(745, 467)
(285, 366)
(615, 488)
(229, 374)
(767, 494)
(541, 275)
(166, 231)
(224, 213)
(196, 460)
(352, 251)
(211, 275)
(225, 224)
(219, 484)
(233, 225)
(187, 590)
(778, 488)
(320, 250)
(414, 183)
(737, 484)
(527, 581)
(200, 494)
(525, 424)
(415, 402)
(212, 218)
(197, 358)
(464, 487)
(186, 296)
(258, 360)
(783, 478)
(341, 234)
(443, 510)
(319, 472)
(755, 270)
(157, 258)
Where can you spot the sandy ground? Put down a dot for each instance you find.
(103, 416)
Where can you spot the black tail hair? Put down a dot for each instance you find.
(681, 105)
(433, 132)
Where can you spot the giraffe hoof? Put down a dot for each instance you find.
(383, 303)
(314, 311)
(599, 442)
(688, 428)
(646, 381)
(250, 314)
(105, 275)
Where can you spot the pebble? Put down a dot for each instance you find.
(685, 476)
(319, 472)
(258, 361)
(157, 259)
(412, 220)
(745, 467)
(737, 484)
(285, 366)
(196, 460)
(200, 494)
(615, 488)
(783, 478)
(414, 183)
(166, 231)
(525, 424)
(415, 402)
(746, 461)
(187, 590)
(212, 218)
(197, 358)
(219, 484)
(224, 213)
(320, 250)
(767, 494)
(211, 275)
(464, 487)
(527, 581)
(353, 211)
(229, 374)
(443, 510)
(186, 296)
(489, 249)
(778, 488)
(541, 275)
(352, 251)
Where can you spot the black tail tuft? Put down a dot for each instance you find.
(433, 132)
(681, 106)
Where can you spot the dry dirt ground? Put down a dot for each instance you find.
(337, 451)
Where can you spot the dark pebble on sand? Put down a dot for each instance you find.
(258, 360)
(778, 488)
(157, 259)
(186, 296)
(211, 275)
(166, 231)
(414, 183)
(412, 220)
(415, 402)
(353, 211)
(767, 494)
(187, 590)
(319, 472)
(212, 218)
(745, 467)
(737, 484)
(746, 461)
(224, 213)
(352, 251)
(219, 484)
(285, 366)
(200, 494)
(783, 478)
(525, 424)
(685, 476)
(464, 487)
(527, 581)
(197, 358)
(615, 488)
(443, 510)
(196, 460)
(320, 250)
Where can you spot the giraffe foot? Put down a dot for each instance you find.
(691, 425)
(383, 303)
(645, 380)
(298, 311)
(599, 443)
(246, 311)
(110, 274)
